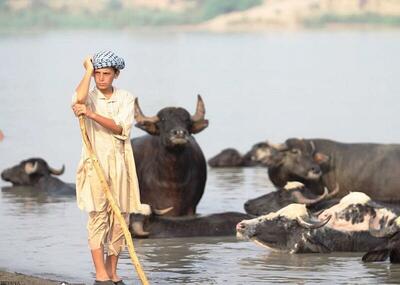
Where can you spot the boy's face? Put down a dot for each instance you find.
(104, 77)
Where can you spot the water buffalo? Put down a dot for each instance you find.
(231, 157)
(293, 192)
(366, 167)
(171, 167)
(35, 172)
(343, 227)
(157, 225)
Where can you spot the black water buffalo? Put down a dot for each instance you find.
(159, 226)
(231, 157)
(370, 168)
(171, 167)
(343, 227)
(35, 172)
(293, 192)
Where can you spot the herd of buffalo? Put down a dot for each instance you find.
(329, 196)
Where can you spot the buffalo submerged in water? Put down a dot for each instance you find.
(319, 163)
(159, 226)
(36, 173)
(170, 165)
(231, 157)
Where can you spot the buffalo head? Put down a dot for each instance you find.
(28, 172)
(173, 125)
(226, 158)
(294, 159)
(285, 230)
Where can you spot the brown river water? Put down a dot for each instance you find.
(339, 85)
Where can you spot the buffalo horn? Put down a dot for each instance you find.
(160, 212)
(139, 117)
(137, 228)
(31, 168)
(200, 110)
(312, 225)
(55, 171)
(384, 231)
(299, 197)
(334, 192)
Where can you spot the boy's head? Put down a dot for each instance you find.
(107, 66)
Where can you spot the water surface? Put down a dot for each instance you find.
(342, 85)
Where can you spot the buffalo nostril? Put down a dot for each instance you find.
(179, 133)
(246, 205)
(240, 226)
(316, 170)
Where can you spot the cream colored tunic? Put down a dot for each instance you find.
(114, 153)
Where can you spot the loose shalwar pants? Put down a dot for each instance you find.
(105, 230)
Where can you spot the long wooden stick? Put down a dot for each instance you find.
(110, 198)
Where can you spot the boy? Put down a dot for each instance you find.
(108, 115)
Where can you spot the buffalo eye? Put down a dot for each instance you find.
(163, 119)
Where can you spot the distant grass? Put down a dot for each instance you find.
(115, 17)
(45, 18)
(367, 19)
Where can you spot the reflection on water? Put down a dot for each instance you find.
(48, 237)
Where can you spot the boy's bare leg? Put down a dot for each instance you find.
(98, 260)
(111, 266)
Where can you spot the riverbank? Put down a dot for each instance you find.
(208, 15)
(14, 278)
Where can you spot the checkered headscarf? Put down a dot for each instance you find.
(107, 59)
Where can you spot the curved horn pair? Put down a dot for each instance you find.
(311, 224)
(141, 118)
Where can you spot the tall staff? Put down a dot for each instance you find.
(110, 198)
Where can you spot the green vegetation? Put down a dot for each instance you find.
(367, 19)
(212, 8)
(41, 16)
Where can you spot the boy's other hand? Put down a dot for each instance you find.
(88, 65)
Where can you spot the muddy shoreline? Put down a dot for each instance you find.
(15, 278)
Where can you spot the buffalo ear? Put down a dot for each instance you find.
(198, 126)
(148, 127)
(321, 158)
